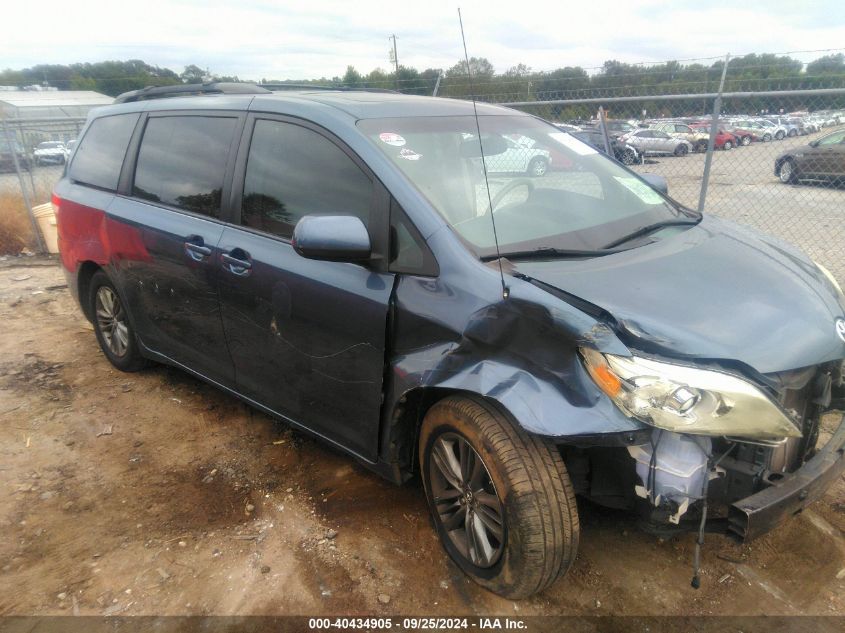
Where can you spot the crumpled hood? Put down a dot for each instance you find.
(716, 291)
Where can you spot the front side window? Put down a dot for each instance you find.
(182, 162)
(99, 157)
(579, 200)
(293, 171)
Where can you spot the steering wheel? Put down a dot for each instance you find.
(510, 186)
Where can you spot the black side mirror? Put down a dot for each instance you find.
(337, 238)
(657, 182)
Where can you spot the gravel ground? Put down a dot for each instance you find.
(153, 493)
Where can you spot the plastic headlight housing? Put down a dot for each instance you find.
(686, 399)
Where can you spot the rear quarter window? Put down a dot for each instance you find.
(99, 157)
(182, 162)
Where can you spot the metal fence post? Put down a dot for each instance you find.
(27, 201)
(603, 126)
(714, 126)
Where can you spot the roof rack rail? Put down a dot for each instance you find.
(185, 90)
(287, 86)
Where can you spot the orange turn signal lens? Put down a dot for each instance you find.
(606, 380)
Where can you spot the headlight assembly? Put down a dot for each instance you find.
(688, 400)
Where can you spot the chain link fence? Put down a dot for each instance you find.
(33, 153)
(777, 161)
(776, 158)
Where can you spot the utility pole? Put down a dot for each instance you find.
(395, 59)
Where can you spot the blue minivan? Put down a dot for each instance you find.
(477, 300)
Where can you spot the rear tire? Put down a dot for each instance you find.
(746, 140)
(112, 326)
(727, 146)
(779, 135)
(767, 137)
(681, 150)
(537, 167)
(536, 538)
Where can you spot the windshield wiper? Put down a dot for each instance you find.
(548, 252)
(651, 228)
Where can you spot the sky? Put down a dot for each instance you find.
(255, 39)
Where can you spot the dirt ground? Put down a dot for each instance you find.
(152, 493)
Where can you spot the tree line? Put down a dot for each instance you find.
(518, 83)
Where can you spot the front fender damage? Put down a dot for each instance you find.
(521, 352)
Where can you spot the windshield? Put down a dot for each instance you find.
(548, 189)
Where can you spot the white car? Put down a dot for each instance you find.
(50, 153)
(519, 156)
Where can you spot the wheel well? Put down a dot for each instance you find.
(405, 423)
(83, 280)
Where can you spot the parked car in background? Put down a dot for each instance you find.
(696, 137)
(519, 156)
(623, 152)
(723, 140)
(649, 142)
(778, 130)
(758, 131)
(822, 159)
(793, 126)
(8, 153)
(616, 127)
(742, 136)
(50, 153)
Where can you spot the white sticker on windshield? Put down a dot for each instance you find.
(409, 154)
(640, 189)
(391, 138)
(579, 147)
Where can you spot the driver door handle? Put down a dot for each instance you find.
(237, 262)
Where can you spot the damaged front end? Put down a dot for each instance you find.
(748, 450)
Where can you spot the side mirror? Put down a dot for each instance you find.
(336, 238)
(657, 182)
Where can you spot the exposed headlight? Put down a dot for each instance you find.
(687, 400)
(829, 276)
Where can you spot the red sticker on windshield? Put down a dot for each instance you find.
(391, 138)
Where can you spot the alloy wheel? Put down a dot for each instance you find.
(786, 172)
(468, 505)
(111, 320)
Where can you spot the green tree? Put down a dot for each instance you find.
(193, 75)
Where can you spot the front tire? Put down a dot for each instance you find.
(628, 157)
(500, 498)
(112, 326)
(767, 137)
(681, 150)
(786, 173)
(779, 135)
(746, 140)
(728, 145)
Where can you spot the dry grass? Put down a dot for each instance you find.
(15, 227)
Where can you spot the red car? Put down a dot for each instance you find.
(723, 140)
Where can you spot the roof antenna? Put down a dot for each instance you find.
(505, 289)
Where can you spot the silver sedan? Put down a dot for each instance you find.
(656, 142)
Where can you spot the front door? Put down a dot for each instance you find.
(307, 337)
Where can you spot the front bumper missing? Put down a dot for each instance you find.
(755, 515)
